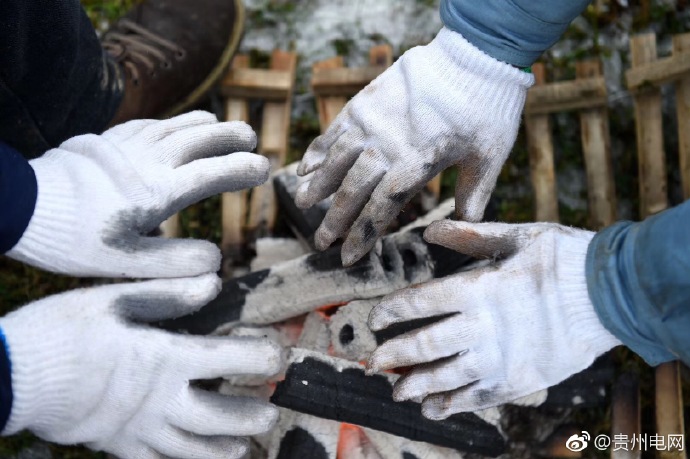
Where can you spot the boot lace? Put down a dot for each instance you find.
(133, 46)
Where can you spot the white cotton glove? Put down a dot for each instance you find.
(87, 369)
(441, 104)
(99, 195)
(519, 325)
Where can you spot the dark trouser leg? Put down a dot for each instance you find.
(55, 80)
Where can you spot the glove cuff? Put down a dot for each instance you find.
(471, 58)
(574, 298)
(42, 371)
(472, 71)
(50, 230)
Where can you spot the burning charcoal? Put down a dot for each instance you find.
(394, 447)
(337, 389)
(304, 284)
(354, 444)
(299, 436)
(273, 250)
(304, 222)
(350, 334)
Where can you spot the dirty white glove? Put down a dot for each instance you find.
(99, 195)
(87, 369)
(517, 326)
(442, 104)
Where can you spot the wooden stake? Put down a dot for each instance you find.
(669, 406)
(328, 107)
(625, 418)
(171, 227)
(586, 92)
(650, 148)
(234, 205)
(681, 43)
(596, 148)
(542, 171)
(653, 199)
(273, 143)
(381, 56)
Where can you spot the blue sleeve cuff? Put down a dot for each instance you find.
(5, 382)
(637, 278)
(18, 192)
(512, 31)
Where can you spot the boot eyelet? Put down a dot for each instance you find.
(166, 65)
(136, 82)
(179, 55)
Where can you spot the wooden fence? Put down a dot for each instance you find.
(587, 95)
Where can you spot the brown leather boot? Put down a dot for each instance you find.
(171, 52)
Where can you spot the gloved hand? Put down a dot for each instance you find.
(98, 196)
(87, 369)
(441, 104)
(517, 326)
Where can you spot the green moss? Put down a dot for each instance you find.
(343, 46)
(105, 12)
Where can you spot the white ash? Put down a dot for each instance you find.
(262, 392)
(297, 355)
(304, 287)
(270, 251)
(534, 399)
(316, 334)
(324, 431)
(393, 446)
(350, 334)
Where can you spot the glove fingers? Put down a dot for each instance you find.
(349, 200)
(441, 376)
(124, 131)
(480, 240)
(128, 449)
(433, 342)
(167, 298)
(426, 300)
(173, 442)
(206, 141)
(206, 413)
(475, 183)
(147, 257)
(330, 174)
(319, 148)
(473, 397)
(208, 177)
(162, 129)
(388, 199)
(210, 357)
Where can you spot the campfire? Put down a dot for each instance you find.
(318, 310)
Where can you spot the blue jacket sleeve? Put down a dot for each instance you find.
(638, 278)
(512, 31)
(5, 383)
(18, 191)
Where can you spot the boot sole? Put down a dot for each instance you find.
(218, 70)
